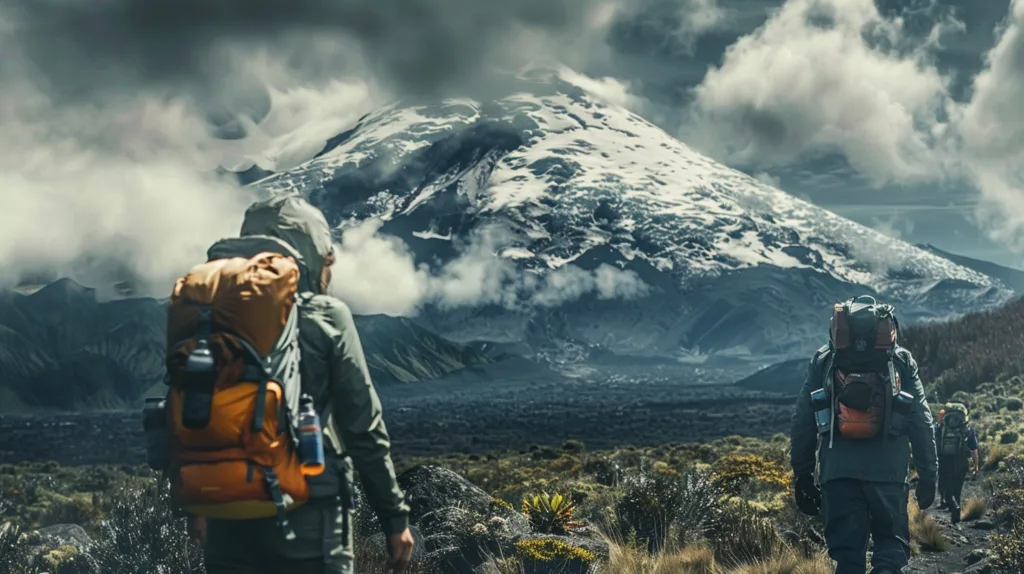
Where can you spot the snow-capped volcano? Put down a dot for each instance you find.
(733, 265)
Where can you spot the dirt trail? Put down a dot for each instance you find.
(966, 540)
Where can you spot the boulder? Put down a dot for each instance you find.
(429, 488)
(66, 535)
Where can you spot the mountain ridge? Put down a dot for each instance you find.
(62, 349)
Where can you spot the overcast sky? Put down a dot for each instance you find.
(905, 115)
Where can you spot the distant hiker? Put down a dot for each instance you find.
(942, 492)
(958, 452)
(861, 412)
(267, 489)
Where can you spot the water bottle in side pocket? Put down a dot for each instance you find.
(822, 411)
(311, 438)
(902, 408)
(154, 426)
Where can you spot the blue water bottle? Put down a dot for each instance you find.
(822, 407)
(311, 438)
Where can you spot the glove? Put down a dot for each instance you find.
(808, 495)
(925, 493)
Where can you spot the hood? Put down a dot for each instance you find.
(292, 219)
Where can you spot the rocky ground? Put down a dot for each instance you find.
(967, 541)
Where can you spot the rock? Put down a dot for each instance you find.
(982, 567)
(457, 541)
(66, 535)
(976, 555)
(984, 524)
(54, 547)
(429, 488)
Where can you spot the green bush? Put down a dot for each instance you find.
(1008, 549)
(653, 500)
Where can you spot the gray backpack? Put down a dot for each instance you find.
(953, 434)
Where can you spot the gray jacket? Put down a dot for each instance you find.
(873, 460)
(334, 369)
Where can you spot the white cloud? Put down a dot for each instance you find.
(614, 91)
(122, 187)
(826, 75)
(86, 190)
(767, 178)
(992, 130)
(701, 16)
(376, 273)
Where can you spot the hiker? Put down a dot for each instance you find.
(257, 501)
(957, 445)
(861, 412)
(943, 503)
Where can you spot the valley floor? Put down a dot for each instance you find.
(427, 421)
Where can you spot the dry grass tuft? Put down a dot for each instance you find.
(973, 509)
(700, 559)
(925, 531)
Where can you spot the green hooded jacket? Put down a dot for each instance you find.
(334, 369)
(873, 460)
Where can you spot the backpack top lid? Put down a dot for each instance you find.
(863, 333)
(956, 413)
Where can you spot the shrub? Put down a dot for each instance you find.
(12, 551)
(550, 549)
(549, 514)
(1009, 437)
(733, 472)
(1008, 549)
(744, 537)
(141, 534)
(653, 500)
(1014, 404)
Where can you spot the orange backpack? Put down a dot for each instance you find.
(233, 402)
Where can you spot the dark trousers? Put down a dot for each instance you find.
(952, 473)
(322, 544)
(856, 510)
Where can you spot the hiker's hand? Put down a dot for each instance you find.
(400, 550)
(197, 530)
(925, 493)
(808, 495)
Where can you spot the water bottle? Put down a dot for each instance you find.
(201, 370)
(311, 438)
(154, 425)
(822, 411)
